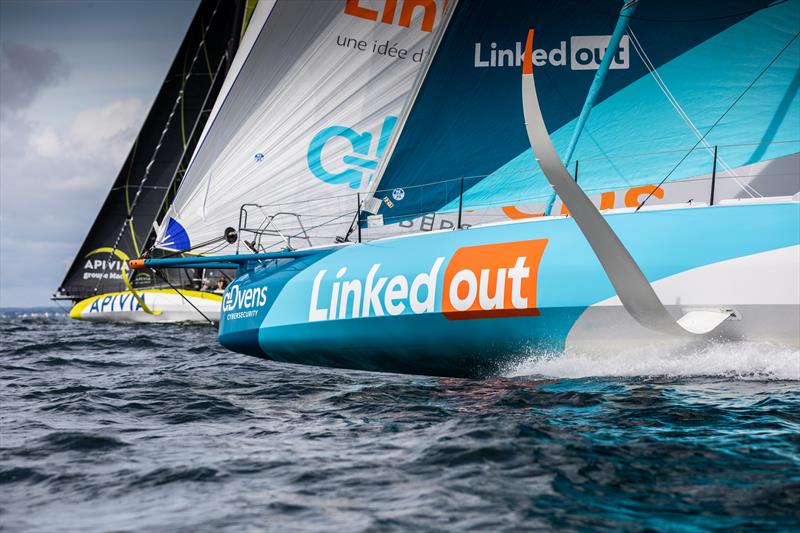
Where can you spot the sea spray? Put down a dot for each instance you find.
(735, 360)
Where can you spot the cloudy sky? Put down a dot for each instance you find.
(76, 80)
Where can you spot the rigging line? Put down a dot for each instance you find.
(220, 246)
(58, 303)
(183, 115)
(127, 196)
(180, 170)
(637, 46)
(152, 187)
(356, 219)
(158, 273)
(214, 250)
(310, 228)
(209, 125)
(195, 247)
(605, 155)
(160, 141)
(205, 49)
(663, 86)
(736, 101)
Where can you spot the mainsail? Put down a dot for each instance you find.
(159, 154)
(677, 70)
(304, 119)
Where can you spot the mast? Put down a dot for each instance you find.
(597, 84)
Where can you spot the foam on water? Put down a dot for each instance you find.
(741, 360)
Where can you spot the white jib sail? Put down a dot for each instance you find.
(307, 115)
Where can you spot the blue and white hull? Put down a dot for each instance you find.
(162, 306)
(471, 302)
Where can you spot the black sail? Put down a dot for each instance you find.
(156, 162)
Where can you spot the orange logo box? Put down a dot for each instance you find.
(493, 280)
(429, 7)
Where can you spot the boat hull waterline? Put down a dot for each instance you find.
(167, 305)
(472, 302)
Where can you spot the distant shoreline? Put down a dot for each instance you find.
(36, 310)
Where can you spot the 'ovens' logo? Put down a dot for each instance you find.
(338, 154)
(585, 53)
(238, 299)
(485, 281)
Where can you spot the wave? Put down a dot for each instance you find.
(165, 475)
(739, 360)
(19, 474)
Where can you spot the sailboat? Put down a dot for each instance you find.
(452, 261)
(98, 281)
(302, 125)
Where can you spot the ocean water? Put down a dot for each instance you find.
(158, 428)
